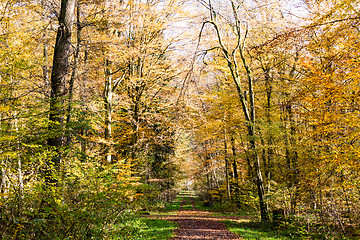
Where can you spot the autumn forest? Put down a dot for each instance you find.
(111, 108)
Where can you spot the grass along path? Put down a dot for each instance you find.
(193, 223)
(201, 224)
(145, 229)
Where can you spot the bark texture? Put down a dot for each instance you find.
(59, 73)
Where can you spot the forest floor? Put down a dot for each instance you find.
(197, 224)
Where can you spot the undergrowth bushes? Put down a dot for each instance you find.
(86, 202)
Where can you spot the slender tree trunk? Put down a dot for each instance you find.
(270, 138)
(207, 168)
(5, 183)
(291, 158)
(109, 89)
(135, 129)
(251, 122)
(74, 72)
(20, 177)
(3, 173)
(259, 178)
(235, 183)
(108, 97)
(228, 194)
(45, 67)
(60, 70)
(264, 154)
(233, 148)
(247, 101)
(20, 173)
(3, 186)
(3, 164)
(136, 99)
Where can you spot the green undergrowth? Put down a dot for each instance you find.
(144, 229)
(182, 201)
(224, 208)
(169, 207)
(257, 230)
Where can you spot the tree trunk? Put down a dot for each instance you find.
(259, 179)
(233, 148)
(45, 67)
(60, 70)
(5, 183)
(228, 195)
(74, 72)
(20, 173)
(247, 101)
(108, 95)
(135, 130)
(136, 116)
(270, 140)
(291, 158)
(251, 122)
(3, 164)
(235, 183)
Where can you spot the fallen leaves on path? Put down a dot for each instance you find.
(199, 225)
(195, 224)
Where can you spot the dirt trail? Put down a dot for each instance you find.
(199, 225)
(196, 224)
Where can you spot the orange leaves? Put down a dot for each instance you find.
(330, 106)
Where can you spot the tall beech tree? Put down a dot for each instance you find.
(60, 72)
(246, 97)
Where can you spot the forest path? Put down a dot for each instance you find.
(197, 224)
